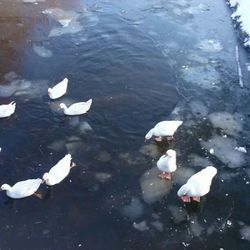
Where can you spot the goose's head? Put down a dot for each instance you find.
(5, 187)
(49, 91)
(63, 106)
(46, 176)
(170, 153)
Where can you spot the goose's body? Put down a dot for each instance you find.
(167, 164)
(59, 171)
(163, 129)
(78, 108)
(22, 189)
(7, 110)
(58, 90)
(197, 185)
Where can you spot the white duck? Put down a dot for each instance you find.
(163, 129)
(197, 185)
(22, 189)
(59, 89)
(167, 164)
(7, 110)
(59, 171)
(78, 108)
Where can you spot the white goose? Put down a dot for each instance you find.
(59, 89)
(78, 108)
(167, 164)
(7, 110)
(59, 171)
(197, 185)
(22, 189)
(163, 129)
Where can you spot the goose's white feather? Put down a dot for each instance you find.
(78, 108)
(58, 172)
(22, 189)
(7, 110)
(167, 162)
(199, 183)
(164, 128)
(59, 89)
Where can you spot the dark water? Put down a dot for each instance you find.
(141, 62)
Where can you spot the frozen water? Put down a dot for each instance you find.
(224, 151)
(7, 90)
(104, 156)
(57, 146)
(204, 76)
(134, 210)
(178, 213)
(182, 174)
(84, 128)
(197, 160)
(74, 144)
(198, 108)
(42, 51)
(150, 150)
(153, 188)
(245, 233)
(198, 58)
(103, 177)
(210, 45)
(157, 225)
(227, 122)
(196, 228)
(141, 226)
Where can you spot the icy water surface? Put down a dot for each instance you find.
(141, 62)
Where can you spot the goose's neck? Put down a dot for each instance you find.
(149, 134)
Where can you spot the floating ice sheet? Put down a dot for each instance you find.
(245, 233)
(210, 45)
(231, 124)
(198, 108)
(153, 188)
(182, 174)
(197, 160)
(134, 210)
(224, 151)
(42, 51)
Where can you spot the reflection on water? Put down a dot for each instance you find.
(141, 63)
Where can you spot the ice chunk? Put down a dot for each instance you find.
(7, 90)
(245, 233)
(153, 188)
(103, 177)
(204, 76)
(178, 213)
(224, 151)
(104, 156)
(197, 160)
(211, 151)
(58, 145)
(157, 225)
(134, 210)
(198, 58)
(196, 228)
(150, 150)
(141, 226)
(181, 175)
(84, 128)
(42, 51)
(210, 45)
(198, 108)
(226, 121)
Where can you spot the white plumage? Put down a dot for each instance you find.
(7, 109)
(164, 128)
(59, 171)
(78, 108)
(22, 189)
(198, 184)
(59, 89)
(167, 162)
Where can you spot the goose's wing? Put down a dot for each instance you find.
(81, 107)
(167, 128)
(59, 89)
(27, 187)
(62, 167)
